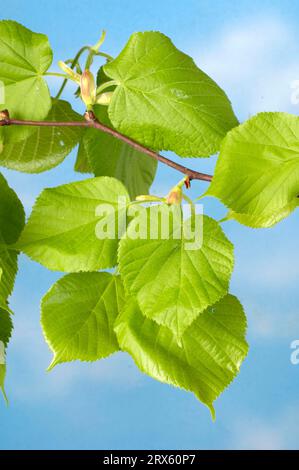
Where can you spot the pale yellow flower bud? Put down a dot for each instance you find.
(175, 196)
(88, 88)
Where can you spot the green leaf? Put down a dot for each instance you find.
(108, 156)
(24, 57)
(82, 164)
(5, 327)
(164, 101)
(8, 271)
(12, 219)
(257, 174)
(46, 147)
(209, 358)
(103, 78)
(5, 334)
(78, 315)
(174, 280)
(62, 231)
(2, 380)
(264, 221)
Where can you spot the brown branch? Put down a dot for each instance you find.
(92, 122)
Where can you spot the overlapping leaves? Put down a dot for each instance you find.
(175, 279)
(45, 147)
(103, 155)
(169, 306)
(208, 358)
(12, 220)
(79, 312)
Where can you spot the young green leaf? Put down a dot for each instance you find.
(5, 327)
(257, 174)
(46, 147)
(107, 156)
(78, 315)
(8, 271)
(173, 279)
(5, 334)
(24, 57)
(63, 231)
(164, 101)
(82, 164)
(264, 221)
(12, 219)
(210, 355)
(2, 380)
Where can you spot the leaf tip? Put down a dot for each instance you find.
(54, 363)
(213, 412)
(4, 396)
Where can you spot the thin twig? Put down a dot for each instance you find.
(91, 122)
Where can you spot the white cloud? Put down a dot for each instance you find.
(267, 279)
(273, 324)
(281, 270)
(274, 433)
(256, 64)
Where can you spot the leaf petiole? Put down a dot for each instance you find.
(106, 85)
(56, 74)
(192, 205)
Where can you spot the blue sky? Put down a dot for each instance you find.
(251, 49)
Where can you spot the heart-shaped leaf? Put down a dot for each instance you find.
(164, 101)
(257, 173)
(78, 315)
(62, 231)
(24, 58)
(175, 279)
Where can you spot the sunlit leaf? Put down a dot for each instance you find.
(24, 57)
(208, 358)
(78, 315)
(62, 231)
(46, 147)
(12, 221)
(257, 174)
(5, 334)
(164, 101)
(174, 280)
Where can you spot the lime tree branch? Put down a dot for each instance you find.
(92, 122)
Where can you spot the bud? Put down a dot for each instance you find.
(175, 196)
(104, 98)
(4, 115)
(71, 73)
(88, 88)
